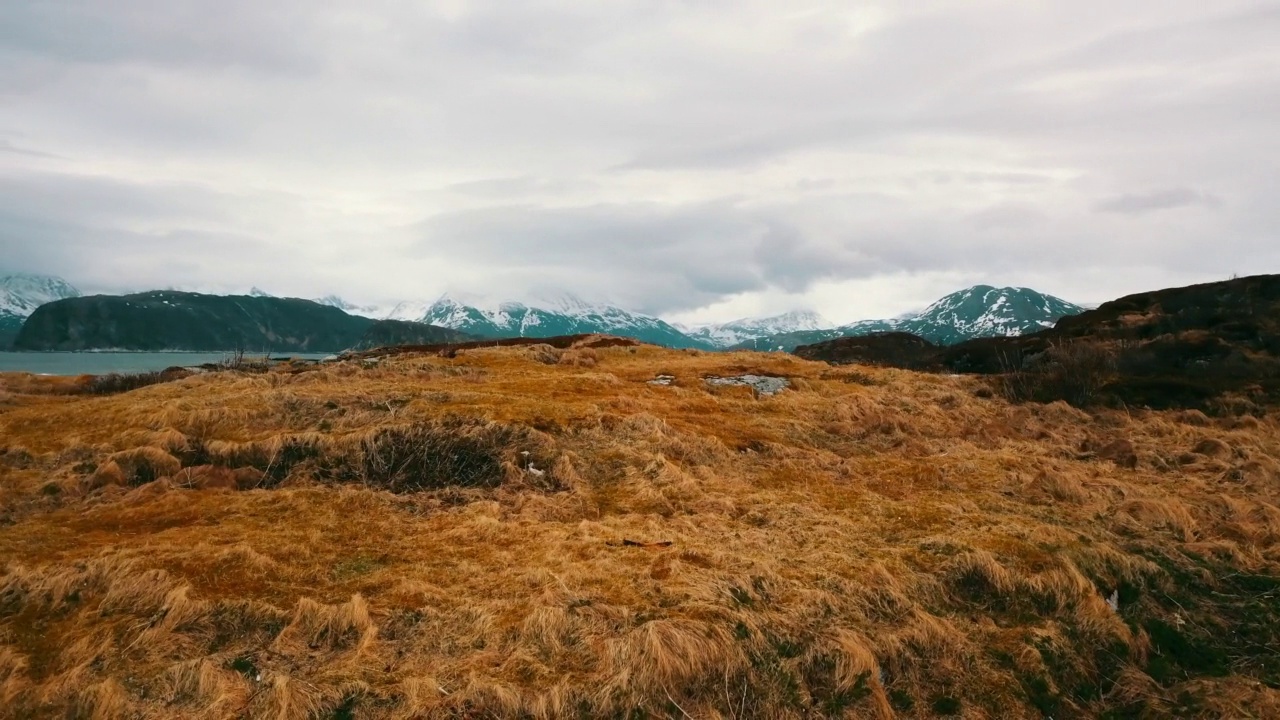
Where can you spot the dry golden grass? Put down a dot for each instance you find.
(531, 532)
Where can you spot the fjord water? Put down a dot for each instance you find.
(101, 363)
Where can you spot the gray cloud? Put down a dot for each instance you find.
(1137, 204)
(672, 255)
(8, 146)
(673, 156)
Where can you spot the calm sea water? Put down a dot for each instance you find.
(101, 363)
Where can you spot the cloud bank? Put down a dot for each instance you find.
(700, 160)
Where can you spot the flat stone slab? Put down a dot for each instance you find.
(762, 384)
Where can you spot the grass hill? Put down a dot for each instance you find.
(532, 531)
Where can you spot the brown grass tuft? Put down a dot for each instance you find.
(662, 657)
(331, 626)
(144, 464)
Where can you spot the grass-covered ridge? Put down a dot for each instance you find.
(485, 535)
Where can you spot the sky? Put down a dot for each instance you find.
(697, 159)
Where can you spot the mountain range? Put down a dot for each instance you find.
(979, 311)
(563, 315)
(744, 330)
(975, 312)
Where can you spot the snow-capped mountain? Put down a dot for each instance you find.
(985, 311)
(732, 333)
(546, 317)
(375, 312)
(979, 311)
(21, 294)
(412, 311)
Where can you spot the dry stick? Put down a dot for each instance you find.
(673, 702)
(728, 701)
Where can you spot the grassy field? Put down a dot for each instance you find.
(529, 532)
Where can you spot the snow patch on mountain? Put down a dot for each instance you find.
(979, 311)
(545, 316)
(21, 293)
(375, 312)
(742, 330)
(986, 311)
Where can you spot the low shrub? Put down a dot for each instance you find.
(1075, 371)
(116, 383)
(450, 453)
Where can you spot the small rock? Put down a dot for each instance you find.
(1121, 453)
(664, 380)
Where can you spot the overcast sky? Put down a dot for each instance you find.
(698, 159)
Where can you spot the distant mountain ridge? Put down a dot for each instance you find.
(975, 312)
(978, 311)
(563, 315)
(169, 320)
(725, 335)
(373, 312)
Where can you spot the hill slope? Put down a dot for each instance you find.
(975, 312)
(168, 320)
(518, 532)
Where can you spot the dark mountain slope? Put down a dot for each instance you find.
(9, 327)
(392, 333)
(169, 320)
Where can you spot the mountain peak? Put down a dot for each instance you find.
(988, 311)
(22, 293)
